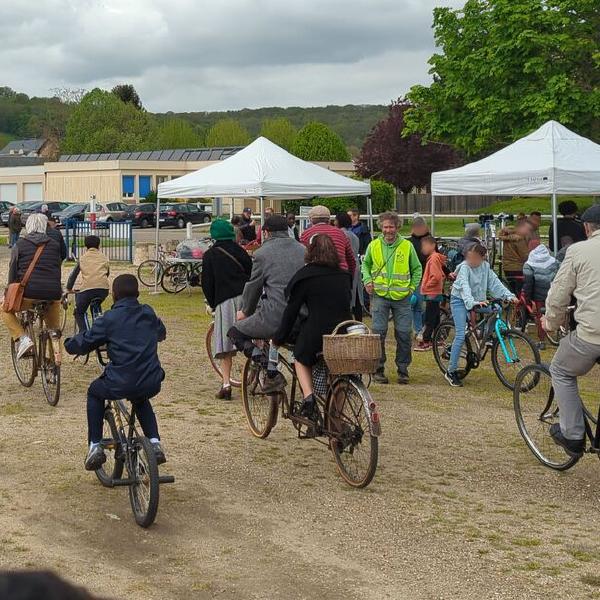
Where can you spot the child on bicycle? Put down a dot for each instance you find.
(131, 331)
(538, 272)
(93, 267)
(432, 288)
(474, 281)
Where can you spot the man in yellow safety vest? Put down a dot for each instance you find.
(391, 272)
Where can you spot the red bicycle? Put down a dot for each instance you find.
(529, 312)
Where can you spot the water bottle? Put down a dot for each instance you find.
(273, 362)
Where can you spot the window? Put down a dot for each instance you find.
(128, 186)
(161, 179)
(145, 184)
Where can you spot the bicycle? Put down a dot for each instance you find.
(238, 361)
(529, 312)
(347, 416)
(94, 311)
(536, 409)
(489, 223)
(181, 274)
(490, 332)
(43, 357)
(151, 270)
(132, 451)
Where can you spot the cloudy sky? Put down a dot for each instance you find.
(186, 55)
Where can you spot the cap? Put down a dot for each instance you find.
(591, 214)
(319, 212)
(248, 210)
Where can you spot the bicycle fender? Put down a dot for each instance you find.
(369, 405)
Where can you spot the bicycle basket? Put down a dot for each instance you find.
(351, 354)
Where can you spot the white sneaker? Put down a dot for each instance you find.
(24, 345)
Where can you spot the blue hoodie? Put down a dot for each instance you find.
(472, 285)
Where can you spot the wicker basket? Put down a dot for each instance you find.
(351, 354)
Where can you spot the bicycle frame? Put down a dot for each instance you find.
(500, 326)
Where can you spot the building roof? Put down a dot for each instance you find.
(18, 160)
(195, 154)
(23, 147)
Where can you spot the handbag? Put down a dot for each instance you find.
(13, 295)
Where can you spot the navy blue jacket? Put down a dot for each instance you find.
(131, 332)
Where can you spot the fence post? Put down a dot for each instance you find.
(188, 231)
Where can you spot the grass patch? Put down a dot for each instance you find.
(526, 542)
(593, 580)
(582, 555)
(10, 409)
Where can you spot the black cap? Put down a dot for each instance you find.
(592, 214)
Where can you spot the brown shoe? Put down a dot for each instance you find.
(403, 379)
(224, 393)
(423, 347)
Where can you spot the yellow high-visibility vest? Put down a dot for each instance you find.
(391, 280)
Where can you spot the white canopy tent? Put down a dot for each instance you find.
(552, 161)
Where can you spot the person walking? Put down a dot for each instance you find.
(320, 218)
(391, 272)
(419, 230)
(226, 268)
(15, 225)
(342, 220)
(579, 276)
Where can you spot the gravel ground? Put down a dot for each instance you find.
(459, 508)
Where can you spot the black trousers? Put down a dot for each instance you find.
(515, 281)
(431, 318)
(99, 391)
(357, 309)
(82, 303)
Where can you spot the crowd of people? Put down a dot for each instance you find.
(298, 287)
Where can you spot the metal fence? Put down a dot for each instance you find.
(116, 239)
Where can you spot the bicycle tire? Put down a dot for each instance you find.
(237, 369)
(353, 426)
(113, 467)
(260, 409)
(442, 347)
(174, 278)
(144, 509)
(26, 366)
(65, 310)
(150, 272)
(507, 380)
(535, 414)
(49, 371)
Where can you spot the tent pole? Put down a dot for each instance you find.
(370, 211)
(432, 228)
(554, 224)
(156, 243)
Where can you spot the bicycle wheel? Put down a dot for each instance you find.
(174, 279)
(521, 351)
(237, 365)
(49, 371)
(536, 410)
(554, 337)
(354, 447)
(260, 409)
(149, 272)
(65, 311)
(113, 467)
(26, 366)
(143, 493)
(442, 339)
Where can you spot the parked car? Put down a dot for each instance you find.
(110, 212)
(53, 208)
(5, 207)
(77, 212)
(22, 206)
(141, 215)
(179, 214)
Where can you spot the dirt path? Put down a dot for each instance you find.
(458, 509)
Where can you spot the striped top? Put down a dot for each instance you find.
(340, 241)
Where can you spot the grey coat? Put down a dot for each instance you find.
(356, 279)
(263, 300)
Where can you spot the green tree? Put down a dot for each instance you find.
(383, 196)
(176, 133)
(316, 141)
(227, 132)
(280, 131)
(125, 92)
(506, 67)
(102, 123)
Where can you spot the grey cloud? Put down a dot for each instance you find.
(189, 55)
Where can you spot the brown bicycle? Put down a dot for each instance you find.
(348, 421)
(41, 358)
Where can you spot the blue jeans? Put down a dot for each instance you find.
(380, 310)
(417, 311)
(14, 236)
(459, 316)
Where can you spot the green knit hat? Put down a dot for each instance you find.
(220, 229)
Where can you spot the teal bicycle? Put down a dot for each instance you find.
(487, 331)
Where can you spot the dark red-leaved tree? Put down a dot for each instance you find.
(404, 162)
